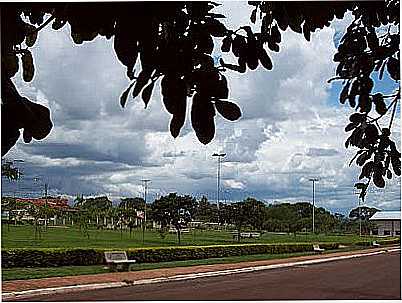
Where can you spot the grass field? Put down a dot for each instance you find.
(71, 237)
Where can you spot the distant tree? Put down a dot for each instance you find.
(206, 211)
(129, 207)
(46, 212)
(82, 218)
(36, 213)
(256, 213)
(10, 172)
(79, 201)
(238, 216)
(325, 221)
(132, 203)
(174, 210)
(96, 203)
(364, 214)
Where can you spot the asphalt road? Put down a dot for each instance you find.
(373, 277)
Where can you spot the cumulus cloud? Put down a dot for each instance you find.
(290, 129)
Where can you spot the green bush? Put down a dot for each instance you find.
(65, 257)
(49, 257)
(381, 242)
(389, 241)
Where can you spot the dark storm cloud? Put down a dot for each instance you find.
(321, 152)
(82, 152)
(196, 175)
(60, 179)
(173, 154)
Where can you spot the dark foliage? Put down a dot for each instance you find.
(174, 210)
(9, 171)
(363, 213)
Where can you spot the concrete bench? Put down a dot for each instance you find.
(246, 235)
(182, 231)
(376, 244)
(317, 248)
(117, 260)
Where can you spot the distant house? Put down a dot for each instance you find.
(388, 223)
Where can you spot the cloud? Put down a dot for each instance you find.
(290, 130)
(321, 152)
(234, 184)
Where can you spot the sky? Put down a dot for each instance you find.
(292, 129)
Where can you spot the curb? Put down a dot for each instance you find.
(77, 288)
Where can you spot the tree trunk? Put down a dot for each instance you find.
(178, 234)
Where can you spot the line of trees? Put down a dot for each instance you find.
(174, 211)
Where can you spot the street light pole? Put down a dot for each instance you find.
(218, 177)
(145, 182)
(313, 180)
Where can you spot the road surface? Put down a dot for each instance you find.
(372, 277)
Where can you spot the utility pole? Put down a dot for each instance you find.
(313, 180)
(218, 177)
(145, 184)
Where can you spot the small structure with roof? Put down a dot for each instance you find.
(388, 223)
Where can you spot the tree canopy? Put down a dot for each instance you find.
(362, 212)
(174, 210)
(173, 42)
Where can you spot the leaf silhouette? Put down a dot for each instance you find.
(124, 95)
(142, 80)
(393, 68)
(28, 66)
(202, 118)
(264, 58)
(147, 92)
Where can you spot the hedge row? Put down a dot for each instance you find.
(381, 242)
(66, 257)
(49, 257)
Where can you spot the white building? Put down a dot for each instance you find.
(388, 223)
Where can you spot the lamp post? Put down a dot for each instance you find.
(313, 180)
(218, 176)
(145, 182)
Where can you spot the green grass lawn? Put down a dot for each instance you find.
(71, 237)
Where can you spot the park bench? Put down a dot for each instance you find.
(117, 260)
(376, 244)
(317, 248)
(182, 231)
(246, 235)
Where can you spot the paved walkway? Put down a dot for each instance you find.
(22, 285)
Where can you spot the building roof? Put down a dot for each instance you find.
(387, 215)
(51, 202)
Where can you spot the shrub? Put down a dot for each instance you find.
(381, 242)
(65, 257)
(49, 257)
(389, 241)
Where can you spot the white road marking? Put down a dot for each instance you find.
(74, 288)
